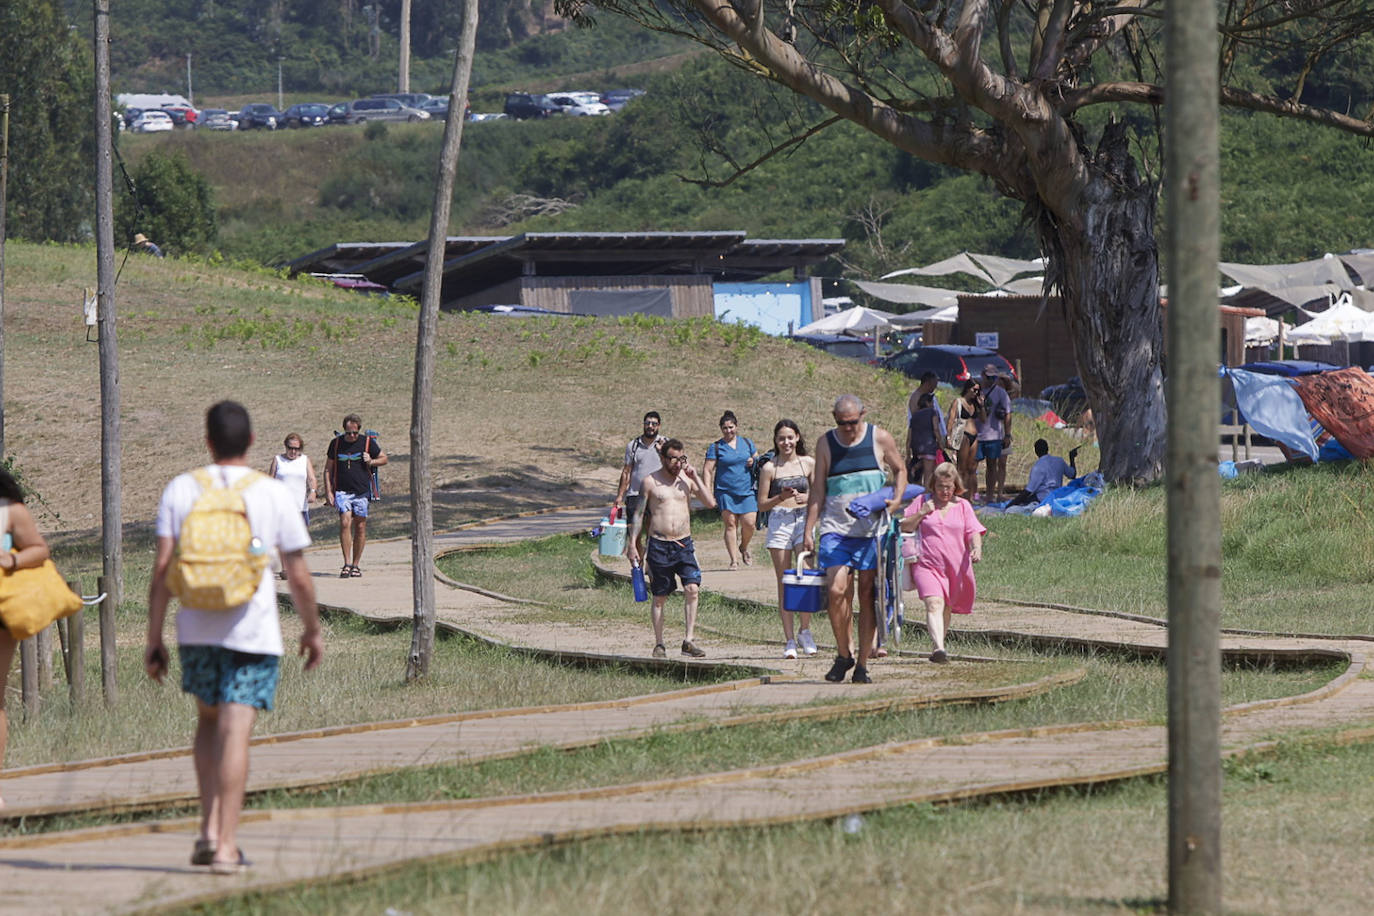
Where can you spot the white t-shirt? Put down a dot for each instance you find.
(275, 517)
(1047, 475)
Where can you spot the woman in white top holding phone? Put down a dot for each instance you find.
(784, 487)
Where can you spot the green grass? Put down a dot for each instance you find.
(1297, 552)
(1098, 850)
(361, 680)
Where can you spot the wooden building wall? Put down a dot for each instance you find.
(692, 295)
(1037, 340)
(1041, 342)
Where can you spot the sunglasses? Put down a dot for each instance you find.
(847, 422)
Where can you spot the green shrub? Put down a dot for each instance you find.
(169, 202)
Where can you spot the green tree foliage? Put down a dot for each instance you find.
(170, 203)
(47, 72)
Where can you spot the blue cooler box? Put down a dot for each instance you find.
(803, 590)
(612, 537)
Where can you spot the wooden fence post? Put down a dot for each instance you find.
(107, 644)
(28, 678)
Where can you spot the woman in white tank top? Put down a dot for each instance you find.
(294, 469)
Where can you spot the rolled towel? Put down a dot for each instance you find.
(866, 505)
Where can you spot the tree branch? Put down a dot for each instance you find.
(1151, 94)
(741, 170)
(963, 146)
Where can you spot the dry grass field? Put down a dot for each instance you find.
(527, 412)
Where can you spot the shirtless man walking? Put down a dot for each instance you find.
(667, 495)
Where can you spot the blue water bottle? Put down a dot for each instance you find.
(637, 577)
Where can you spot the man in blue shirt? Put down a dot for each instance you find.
(1047, 474)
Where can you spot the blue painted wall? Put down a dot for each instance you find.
(768, 306)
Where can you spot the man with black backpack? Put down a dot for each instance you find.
(350, 486)
(641, 460)
(216, 527)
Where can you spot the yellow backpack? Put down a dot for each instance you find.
(219, 563)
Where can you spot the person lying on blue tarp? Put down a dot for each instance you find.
(1046, 475)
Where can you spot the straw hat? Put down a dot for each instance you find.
(140, 239)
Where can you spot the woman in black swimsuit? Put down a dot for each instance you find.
(964, 415)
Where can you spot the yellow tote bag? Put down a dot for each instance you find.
(31, 599)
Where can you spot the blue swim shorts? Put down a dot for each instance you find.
(667, 559)
(839, 550)
(350, 502)
(989, 449)
(215, 675)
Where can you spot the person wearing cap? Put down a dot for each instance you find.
(145, 245)
(994, 431)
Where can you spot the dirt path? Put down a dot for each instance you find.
(140, 866)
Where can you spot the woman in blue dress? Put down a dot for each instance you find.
(728, 463)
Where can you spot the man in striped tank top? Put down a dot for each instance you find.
(850, 462)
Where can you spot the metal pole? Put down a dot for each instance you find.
(1194, 489)
(189, 96)
(403, 70)
(279, 96)
(111, 522)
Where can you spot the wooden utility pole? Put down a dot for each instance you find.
(403, 71)
(1192, 179)
(111, 505)
(421, 420)
(4, 197)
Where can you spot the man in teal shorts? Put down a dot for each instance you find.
(849, 462)
(230, 658)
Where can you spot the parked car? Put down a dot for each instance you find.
(216, 119)
(617, 99)
(338, 114)
(578, 104)
(130, 116)
(258, 114)
(363, 110)
(182, 115)
(953, 364)
(152, 121)
(523, 105)
(306, 114)
(1068, 399)
(838, 345)
(408, 99)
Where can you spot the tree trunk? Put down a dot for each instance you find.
(421, 413)
(1106, 267)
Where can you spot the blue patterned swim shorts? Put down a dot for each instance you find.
(215, 675)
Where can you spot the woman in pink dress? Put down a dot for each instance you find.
(951, 542)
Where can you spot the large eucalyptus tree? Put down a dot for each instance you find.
(1008, 89)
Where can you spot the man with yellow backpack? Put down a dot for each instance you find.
(216, 528)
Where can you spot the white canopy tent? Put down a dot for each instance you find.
(1343, 321)
(857, 321)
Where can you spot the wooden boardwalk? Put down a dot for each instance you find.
(142, 867)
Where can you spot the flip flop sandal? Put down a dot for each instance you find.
(203, 853)
(344, 572)
(355, 573)
(236, 867)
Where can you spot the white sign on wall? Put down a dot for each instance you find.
(988, 340)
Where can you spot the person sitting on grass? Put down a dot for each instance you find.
(1046, 475)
